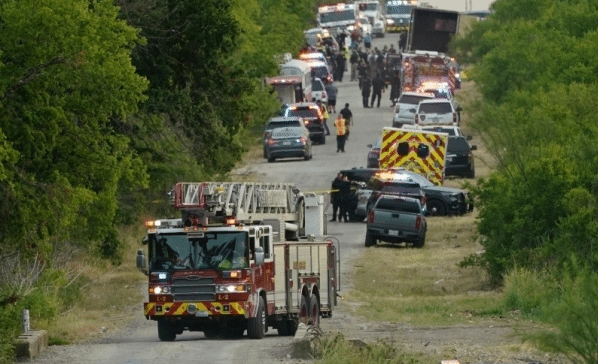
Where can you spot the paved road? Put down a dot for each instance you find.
(139, 342)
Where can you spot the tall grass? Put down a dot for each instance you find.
(334, 349)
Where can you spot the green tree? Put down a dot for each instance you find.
(65, 75)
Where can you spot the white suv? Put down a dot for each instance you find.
(436, 112)
(406, 107)
(318, 91)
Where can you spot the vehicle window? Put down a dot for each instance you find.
(281, 124)
(396, 204)
(303, 113)
(320, 71)
(457, 145)
(317, 86)
(435, 108)
(412, 99)
(282, 133)
(439, 129)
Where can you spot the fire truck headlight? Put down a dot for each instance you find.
(158, 290)
(230, 288)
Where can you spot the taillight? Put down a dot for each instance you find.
(423, 200)
(454, 118)
(371, 216)
(302, 140)
(306, 122)
(469, 156)
(324, 94)
(418, 222)
(271, 142)
(416, 119)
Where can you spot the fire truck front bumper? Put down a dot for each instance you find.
(196, 309)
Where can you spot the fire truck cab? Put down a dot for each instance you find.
(237, 261)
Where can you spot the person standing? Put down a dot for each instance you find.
(354, 61)
(332, 91)
(395, 88)
(362, 71)
(335, 197)
(347, 115)
(377, 87)
(341, 130)
(324, 115)
(367, 40)
(345, 199)
(340, 64)
(366, 89)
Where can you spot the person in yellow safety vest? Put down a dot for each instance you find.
(325, 115)
(341, 131)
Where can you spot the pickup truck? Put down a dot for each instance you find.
(396, 219)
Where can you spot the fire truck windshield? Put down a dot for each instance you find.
(210, 250)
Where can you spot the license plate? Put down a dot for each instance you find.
(201, 314)
(286, 143)
(393, 232)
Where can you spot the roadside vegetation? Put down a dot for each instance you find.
(95, 128)
(532, 252)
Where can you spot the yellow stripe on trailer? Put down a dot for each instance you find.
(415, 150)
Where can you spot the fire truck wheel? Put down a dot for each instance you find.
(210, 333)
(314, 309)
(286, 327)
(303, 311)
(165, 331)
(256, 326)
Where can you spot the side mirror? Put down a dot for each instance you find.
(459, 109)
(369, 145)
(469, 137)
(473, 147)
(259, 256)
(141, 262)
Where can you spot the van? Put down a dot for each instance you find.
(300, 68)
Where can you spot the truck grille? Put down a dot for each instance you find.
(194, 289)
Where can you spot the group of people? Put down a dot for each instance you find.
(343, 199)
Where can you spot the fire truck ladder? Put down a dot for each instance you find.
(246, 202)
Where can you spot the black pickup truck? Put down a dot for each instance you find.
(396, 219)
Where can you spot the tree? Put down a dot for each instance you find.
(65, 74)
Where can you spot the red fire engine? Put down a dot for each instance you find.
(237, 260)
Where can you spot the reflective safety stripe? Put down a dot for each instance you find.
(180, 308)
(432, 167)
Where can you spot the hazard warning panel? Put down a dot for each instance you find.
(415, 150)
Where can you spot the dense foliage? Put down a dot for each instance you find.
(535, 64)
(104, 105)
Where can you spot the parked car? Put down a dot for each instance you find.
(459, 158)
(312, 118)
(373, 160)
(440, 200)
(318, 91)
(314, 56)
(396, 219)
(436, 112)
(279, 122)
(289, 142)
(406, 107)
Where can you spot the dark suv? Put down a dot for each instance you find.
(313, 118)
(275, 123)
(440, 200)
(459, 159)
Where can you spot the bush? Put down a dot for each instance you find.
(334, 349)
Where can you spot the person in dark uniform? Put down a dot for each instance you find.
(366, 89)
(335, 197)
(395, 87)
(377, 87)
(345, 197)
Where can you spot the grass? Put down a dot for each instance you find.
(109, 301)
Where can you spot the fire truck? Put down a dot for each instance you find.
(429, 71)
(243, 256)
(423, 152)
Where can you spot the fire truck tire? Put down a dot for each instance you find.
(314, 310)
(304, 311)
(210, 333)
(286, 327)
(165, 331)
(256, 326)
